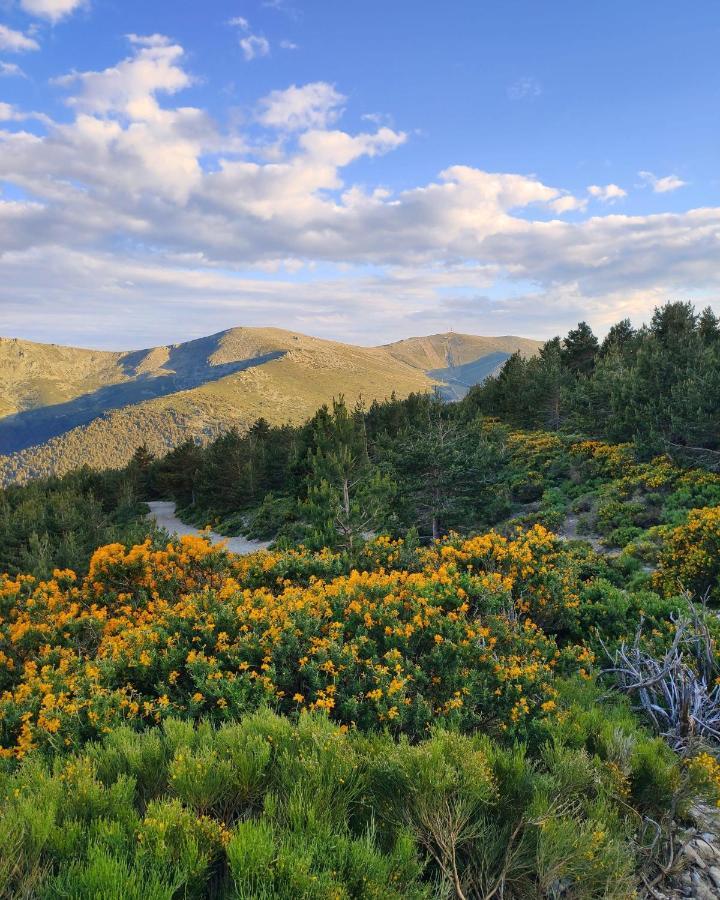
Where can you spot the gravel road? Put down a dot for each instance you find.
(163, 511)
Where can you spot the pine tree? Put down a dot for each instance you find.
(444, 468)
(347, 496)
(579, 349)
(709, 326)
(621, 337)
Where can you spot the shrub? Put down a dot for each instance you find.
(340, 813)
(191, 631)
(690, 557)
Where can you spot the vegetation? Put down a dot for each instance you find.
(269, 807)
(75, 407)
(418, 691)
(658, 386)
(139, 745)
(60, 522)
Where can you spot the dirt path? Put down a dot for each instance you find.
(163, 511)
(569, 531)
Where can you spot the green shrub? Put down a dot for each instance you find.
(271, 517)
(103, 876)
(263, 807)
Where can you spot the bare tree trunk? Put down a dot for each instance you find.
(346, 498)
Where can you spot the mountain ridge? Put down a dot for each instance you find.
(61, 406)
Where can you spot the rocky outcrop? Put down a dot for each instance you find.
(695, 871)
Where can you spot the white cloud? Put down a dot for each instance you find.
(53, 10)
(662, 185)
(149, 40)
(314, 105)
(524, 89)
(567, 203)
(11, 70)
(200, 241)
(288, 45)
(16, 41)
(130, 86)
(607, 193)
(254, 46)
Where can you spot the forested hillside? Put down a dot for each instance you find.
(63, 407)
(658, 386)
(481, 659)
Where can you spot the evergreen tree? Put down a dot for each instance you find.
(444, 468)
(579, 350)
(347, 496)
(621, 337)
(709, 326)
(139, 470)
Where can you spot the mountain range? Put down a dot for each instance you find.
(61, 407)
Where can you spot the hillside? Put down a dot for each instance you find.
(446, 350)
(459, 361)
(63, 406)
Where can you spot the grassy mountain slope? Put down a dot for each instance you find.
(61, 407)
(441, 351)
(164, 395)
(459, 361)
(33, 375)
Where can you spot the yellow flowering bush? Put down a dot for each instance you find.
(706, 769)
(611, 459)
(690, 556)
(188, 630)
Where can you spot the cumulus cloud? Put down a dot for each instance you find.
(130, 86)
(314, 105)
(607, 193)
(118, 212)
(567, 203)
(16, 41)
(252, 45)
(662, 185)
(53, 10)
(10, 113)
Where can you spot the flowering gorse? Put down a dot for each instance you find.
(466, 635)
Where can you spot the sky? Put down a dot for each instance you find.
(358, 170)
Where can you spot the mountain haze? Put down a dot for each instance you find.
(61, 407)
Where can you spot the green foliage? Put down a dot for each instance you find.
(658, 386)
(59, 522)
(347, 497)
(537, 783)
(324, 812)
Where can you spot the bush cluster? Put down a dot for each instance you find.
(474, 633)
(266, 807)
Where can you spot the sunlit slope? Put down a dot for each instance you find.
(61, 407)
(459, 361)
(232, 379)
(34, 375)
(441, 351)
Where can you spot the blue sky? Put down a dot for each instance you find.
(356, 170)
